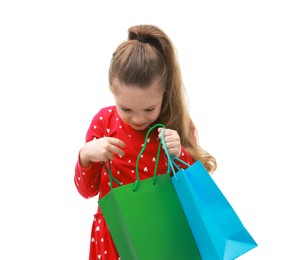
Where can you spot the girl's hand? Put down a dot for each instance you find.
(172, 140)
(102, 149)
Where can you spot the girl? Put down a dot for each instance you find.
(145, 80)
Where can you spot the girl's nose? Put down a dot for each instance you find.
(137, 119)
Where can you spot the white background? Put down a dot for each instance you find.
(241, 66)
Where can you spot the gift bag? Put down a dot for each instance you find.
(146, 219)
(218, 231)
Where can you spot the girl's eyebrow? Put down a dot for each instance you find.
(150, 107)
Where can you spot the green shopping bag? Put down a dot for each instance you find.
(146, 219)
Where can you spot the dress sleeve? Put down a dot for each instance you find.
(87, 180)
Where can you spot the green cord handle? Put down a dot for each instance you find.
(170, 158)
(109, 171)
(139, 156)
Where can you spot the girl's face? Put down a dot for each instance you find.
(138, 107)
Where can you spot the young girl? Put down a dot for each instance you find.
(145, 80)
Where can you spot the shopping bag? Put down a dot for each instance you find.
(146, 219)
(217, 229)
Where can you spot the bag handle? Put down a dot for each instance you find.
(139, 156)
(109, 171)
(171, 158)
(135, 186)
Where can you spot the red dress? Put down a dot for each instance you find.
(94, 180)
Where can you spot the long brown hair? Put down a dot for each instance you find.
(149, 54)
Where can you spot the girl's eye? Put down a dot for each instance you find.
(149, 109)
(125, 109)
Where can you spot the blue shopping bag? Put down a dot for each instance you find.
(217, 229)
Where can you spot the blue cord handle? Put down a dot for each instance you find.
(171, 158)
